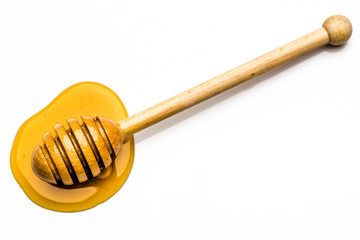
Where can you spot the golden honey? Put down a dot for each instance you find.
(83, 99)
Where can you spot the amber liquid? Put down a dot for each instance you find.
(83, 99)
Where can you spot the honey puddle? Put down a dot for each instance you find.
(83, 99)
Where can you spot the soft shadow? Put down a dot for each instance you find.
(167, 123)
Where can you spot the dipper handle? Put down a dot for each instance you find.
(336, 30)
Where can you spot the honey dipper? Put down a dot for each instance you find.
(83, 150)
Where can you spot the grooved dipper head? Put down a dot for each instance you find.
(78, 152)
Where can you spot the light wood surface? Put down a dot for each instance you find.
(83, 145)
(84, 151)
(336, 30)
(78, 152)
(100, 146)
(53, 151)
(69, 153)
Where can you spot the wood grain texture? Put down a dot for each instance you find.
(70, 153)
(223, 82)
(78, 152)
(339, 29)
(56, 158)
(84, 146)
(113, 133)
(42, 166)
(336, 30)
(100, 145)
(96, 143)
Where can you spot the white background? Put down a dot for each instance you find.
(275, 158)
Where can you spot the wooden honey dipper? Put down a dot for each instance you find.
(83, 150)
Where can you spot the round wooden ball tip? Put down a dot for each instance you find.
(339, 29)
